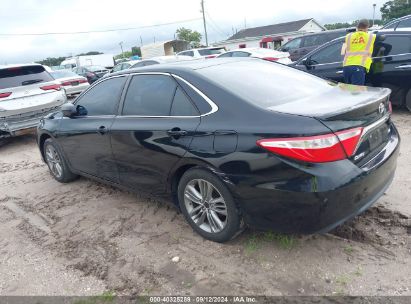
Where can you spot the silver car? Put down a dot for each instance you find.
(27, 93)
(72, 83)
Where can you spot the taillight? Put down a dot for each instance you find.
(211, 56)
(271, 58)
(390, 107)
(56, 87)
(4, 95)
(66, 83)
(315, 149)
(83, 80)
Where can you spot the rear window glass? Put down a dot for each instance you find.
(63, 74)
(265, 84)
(208, 52)
(22, 76)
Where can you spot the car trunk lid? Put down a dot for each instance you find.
(347, 107)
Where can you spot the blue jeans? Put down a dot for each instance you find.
(354, 75)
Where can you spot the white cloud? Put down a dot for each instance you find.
(37, 16)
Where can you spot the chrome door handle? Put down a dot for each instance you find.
(405, 66)
(339, 72)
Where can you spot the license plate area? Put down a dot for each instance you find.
(75, 83)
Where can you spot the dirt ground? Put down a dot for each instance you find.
(86, 238)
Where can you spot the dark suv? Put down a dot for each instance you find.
(300, 46)
(391, 66)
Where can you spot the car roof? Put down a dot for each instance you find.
(7, 66)
(397, 20)
(183, 66)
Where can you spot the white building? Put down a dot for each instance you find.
(270, 36)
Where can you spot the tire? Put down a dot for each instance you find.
(57, 164)
(215, 215)
(408, 100)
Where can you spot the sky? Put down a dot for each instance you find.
(148, 17)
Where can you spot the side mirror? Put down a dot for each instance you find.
(306, 62)
(68, 109)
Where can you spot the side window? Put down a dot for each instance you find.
(182, 106)
(102, 99)
(292, 45)
(138, 65)
(225, 55)
(117, 68)
(391, 26)
(329, 54)
(187, 53)
(149, 95)
(313, 40)
(393, 45)
(405, 23)
(241, 54)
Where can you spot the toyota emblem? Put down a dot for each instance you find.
(381, 108)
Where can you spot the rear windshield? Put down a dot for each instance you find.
(63, 74)
(208, 52)
(22, 76)
(265, 84)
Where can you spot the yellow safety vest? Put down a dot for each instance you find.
(359, 48)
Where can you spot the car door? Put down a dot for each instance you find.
(153, 132)
(326, 62)
(85, 137)
(391, 66)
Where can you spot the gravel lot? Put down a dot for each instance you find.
(86, 238)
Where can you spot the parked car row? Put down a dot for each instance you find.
(391, 66)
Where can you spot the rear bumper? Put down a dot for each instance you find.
(23, 123)
(321, 197)
(72, 90)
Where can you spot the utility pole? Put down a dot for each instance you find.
(204, 21)
(121, 46)
(373, 15)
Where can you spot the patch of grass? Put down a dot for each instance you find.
(252, 244)
(286, 241)
(343, 280)
(105, 297)
(358, 271)
(349, 249)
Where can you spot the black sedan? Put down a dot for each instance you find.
(236, 142)
(391, 66)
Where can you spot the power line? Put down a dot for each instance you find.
(215, 25)
(100, 31)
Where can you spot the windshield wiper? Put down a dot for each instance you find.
(27, 82)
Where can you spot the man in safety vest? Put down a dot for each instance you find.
(357, 51)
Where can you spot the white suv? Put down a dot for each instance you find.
(27, 93)
(209, 52)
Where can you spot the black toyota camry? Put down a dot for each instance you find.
(232, 142)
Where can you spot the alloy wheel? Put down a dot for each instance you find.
(53, 161)
(205, 205)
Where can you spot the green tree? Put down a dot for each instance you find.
(395, 9)
(90, 53)
(341, 25)
(52, 61)
(188, 35)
